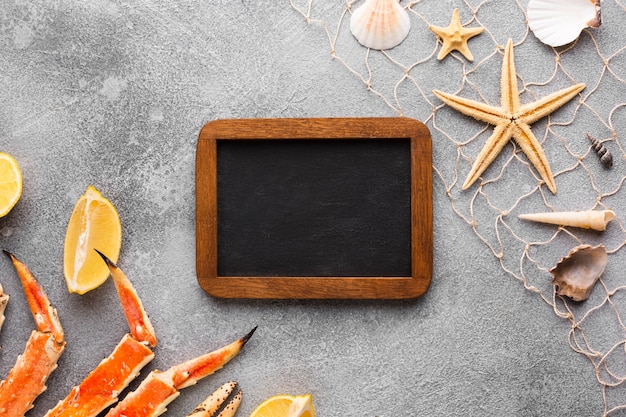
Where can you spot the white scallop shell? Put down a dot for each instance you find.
(380, 24)
(559, 22)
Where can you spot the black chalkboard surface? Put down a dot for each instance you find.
(314, 208)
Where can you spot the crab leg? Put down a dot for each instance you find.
(28, 377)
(102, 386)
(160, 388)
(4, 299)
(215, 401)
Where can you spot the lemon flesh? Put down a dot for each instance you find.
(94, 224)
(285, 406)
(10, 183)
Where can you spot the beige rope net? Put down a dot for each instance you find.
(404, 78)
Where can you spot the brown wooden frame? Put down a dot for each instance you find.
(315, 287)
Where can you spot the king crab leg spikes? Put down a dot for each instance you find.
(225, 400)
(160, 388)
(28, 377)
(102, 386)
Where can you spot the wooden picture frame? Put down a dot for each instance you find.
(312, 287)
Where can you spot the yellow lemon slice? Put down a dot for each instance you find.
(285, 406)
(94, 224)
(10, 183)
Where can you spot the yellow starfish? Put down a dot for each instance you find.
(455, 37)
(511, 120)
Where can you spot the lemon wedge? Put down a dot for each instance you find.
(94, 224)
(285, 406)
(10, 183)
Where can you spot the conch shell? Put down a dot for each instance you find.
(380, 24)
(575, 274)
(592, 219)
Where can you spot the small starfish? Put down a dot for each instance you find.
(511, 120)
(455, 37)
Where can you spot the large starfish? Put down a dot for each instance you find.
(511, 120)
(455, 37)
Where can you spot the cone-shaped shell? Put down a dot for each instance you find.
(575, 274)
(559, 22)
(380, 24)
(592, 219)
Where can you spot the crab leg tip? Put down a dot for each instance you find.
(109, 262)
(247, 337)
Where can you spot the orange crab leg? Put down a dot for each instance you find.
(102, 386)
(160, 388)
(28, 377)
(4, 299)
(140, 327)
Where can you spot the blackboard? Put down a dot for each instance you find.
(314, 208)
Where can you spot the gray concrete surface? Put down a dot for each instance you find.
(114, 93)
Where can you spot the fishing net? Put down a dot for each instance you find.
(404, 78)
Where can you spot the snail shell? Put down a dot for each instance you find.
(605, 156)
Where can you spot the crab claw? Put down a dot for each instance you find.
(136, 316)
(102, 386)
(219, 399)
(188, 373)
(46, 318)
(160, 388)
(27, 379)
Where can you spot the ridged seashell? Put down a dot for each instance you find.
(605, 156)
(591, 219)
(575, 274)
(380, 24)
(559, 22)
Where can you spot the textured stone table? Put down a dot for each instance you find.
(114, 93)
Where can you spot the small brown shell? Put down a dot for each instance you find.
(606, 158)
(575, 274)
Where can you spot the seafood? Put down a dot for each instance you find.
(160, 388)
(28, 377)
(380, 24)
(559, 22)
(606, 158)
(4, 299)
(103, 385)
(576, 273)
(591, 219)
(224, 398)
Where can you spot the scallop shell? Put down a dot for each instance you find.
(380, 24)
(575, 274)
(592, 219)
(559, 22)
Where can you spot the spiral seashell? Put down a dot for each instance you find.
(591, 219)
(380, 24)
(606, 158)
(576, 273)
